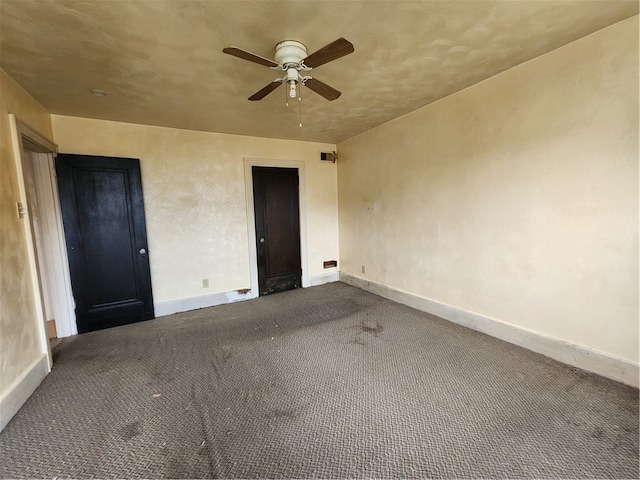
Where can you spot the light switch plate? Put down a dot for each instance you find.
(20, 210)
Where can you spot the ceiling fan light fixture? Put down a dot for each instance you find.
(292, 80)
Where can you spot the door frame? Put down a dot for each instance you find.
(251, 219)
(25, 138)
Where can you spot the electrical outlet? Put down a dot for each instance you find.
(364, 270)
(205, 283)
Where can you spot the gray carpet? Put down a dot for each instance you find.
(329, 381)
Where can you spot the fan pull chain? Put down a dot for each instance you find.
(300, 105)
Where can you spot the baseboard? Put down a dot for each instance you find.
(22, 389)
(170, 307)
(566, 352)
(324, 278)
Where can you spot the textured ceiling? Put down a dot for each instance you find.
(161, 61)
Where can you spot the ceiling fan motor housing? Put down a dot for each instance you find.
(290, 53)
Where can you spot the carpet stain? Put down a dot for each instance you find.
(131, 430)
(367, 327)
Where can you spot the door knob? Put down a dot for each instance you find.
(142, 251)
(261, 240)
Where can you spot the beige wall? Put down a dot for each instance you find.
(194, 193)
(516, 199)
(19, 338)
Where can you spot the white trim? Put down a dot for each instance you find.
(16, 135)
(169, 307)
(58, 263)
(324, 278)
(24, 129)
(251, 224)
(20, 391)
(582, 357)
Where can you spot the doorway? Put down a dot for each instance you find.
(277, 227)
(38, 209)
(106, 237)
(41, 215)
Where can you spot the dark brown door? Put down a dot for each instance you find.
(275, 196)
(105, 232)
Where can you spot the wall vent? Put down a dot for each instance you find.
(328, 157)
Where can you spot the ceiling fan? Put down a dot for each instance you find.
(291, 57)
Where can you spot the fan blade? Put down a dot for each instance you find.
(322, 89)
(260, 94)
(252, 57)
(333, 51)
